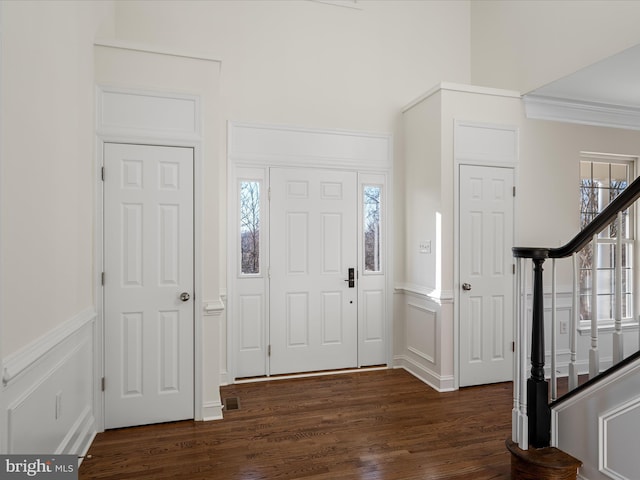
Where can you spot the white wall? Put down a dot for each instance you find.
(47, 223)
(47, 183)
(526, 44)
(310, 64)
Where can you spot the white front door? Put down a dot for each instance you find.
(313, 306)
(148, 288)
(486, 274)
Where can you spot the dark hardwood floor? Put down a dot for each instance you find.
(371, 425)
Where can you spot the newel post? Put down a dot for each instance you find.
(537, 387)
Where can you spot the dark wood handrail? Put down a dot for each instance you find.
(619, 204)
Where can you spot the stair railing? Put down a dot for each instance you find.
(531, 414)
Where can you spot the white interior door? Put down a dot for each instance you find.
(148, 290)
(313, 310)
(486, 274)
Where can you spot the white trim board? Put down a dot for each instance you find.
(20, 362)
(141, 47)
(458, 87)
(583, 113)
(281, 145)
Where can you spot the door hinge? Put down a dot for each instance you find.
(513, 346)
(102, 384)
(102, 279)
(268, 350)
(514, 191)
(102, 174)
(513, 268)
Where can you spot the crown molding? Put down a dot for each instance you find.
(585, 113)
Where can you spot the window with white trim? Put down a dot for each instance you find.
(603, 178)
(249, 227)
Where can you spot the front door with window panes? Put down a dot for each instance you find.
(602, 179)
(299, 231)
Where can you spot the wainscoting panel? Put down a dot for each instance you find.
(47, 390)
(599, 426)
(420, 351)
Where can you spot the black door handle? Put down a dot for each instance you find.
(352, 278)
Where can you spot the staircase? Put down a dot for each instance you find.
(591, 421)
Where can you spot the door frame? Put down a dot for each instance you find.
(466, 152)
(106, 133)
(260, 147)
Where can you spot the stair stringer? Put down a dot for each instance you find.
(599, 425)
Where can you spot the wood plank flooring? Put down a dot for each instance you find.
(370, 425)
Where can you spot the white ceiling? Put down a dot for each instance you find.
(614, 81)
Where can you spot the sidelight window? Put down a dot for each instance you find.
(372, 223)
(250, 227)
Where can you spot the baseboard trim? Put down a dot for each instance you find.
(437, 382)
(212, 411)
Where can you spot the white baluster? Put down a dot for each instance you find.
(573, 328)
(515, 413)
(524, 329)
(594, 355)
(618, 348)
(554, 322)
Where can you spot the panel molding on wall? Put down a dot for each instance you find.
(299, 147)
(48, 391)
(420, 356)
(125, 112)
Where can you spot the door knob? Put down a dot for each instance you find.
(184, 296)
(466, 286)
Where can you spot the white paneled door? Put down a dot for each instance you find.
(313, 306)
(486, 274)
(148, 289)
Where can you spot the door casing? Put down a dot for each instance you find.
(257, 147)
(107, 134)
(483, 155)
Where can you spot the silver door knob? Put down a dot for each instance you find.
(466, 286)
(184, 296)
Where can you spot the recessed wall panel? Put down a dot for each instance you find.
(331, 314)
(169, 353)
(132, 332)
(421, 332)
(297, 319)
